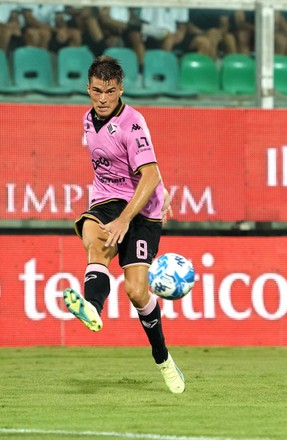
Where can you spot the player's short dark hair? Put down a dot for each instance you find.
(106, 68)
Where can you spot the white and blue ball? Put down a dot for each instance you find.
(171, 276)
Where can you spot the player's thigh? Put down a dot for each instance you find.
(94, 240)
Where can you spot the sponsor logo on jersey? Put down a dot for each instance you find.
(110, 180)
(102, 162)
(142, 142)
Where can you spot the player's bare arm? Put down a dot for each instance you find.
(150, 178)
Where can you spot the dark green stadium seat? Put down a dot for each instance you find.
(128, 61)
(161, 74)
(6, 78)
(238, 74)
(33, 71)
(6, 85)
(199, 72)
(72, 67)
(280, 73)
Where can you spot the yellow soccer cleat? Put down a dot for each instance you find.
(172, 375)
(83, 310)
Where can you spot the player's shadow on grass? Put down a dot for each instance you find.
(94, 386)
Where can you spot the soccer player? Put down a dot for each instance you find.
(128, 207)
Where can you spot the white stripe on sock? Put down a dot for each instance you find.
(146, 310)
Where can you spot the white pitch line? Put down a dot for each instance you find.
(123, 435)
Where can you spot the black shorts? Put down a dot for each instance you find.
(140, 244)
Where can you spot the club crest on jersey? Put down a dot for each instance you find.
(112, 128)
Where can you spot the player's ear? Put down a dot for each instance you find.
(121, 89)
(88, 88)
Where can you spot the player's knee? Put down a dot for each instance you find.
(94, 253)
(135, 293)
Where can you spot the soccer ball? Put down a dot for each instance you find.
(171, 276)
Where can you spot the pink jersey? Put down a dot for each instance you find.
(118, 150)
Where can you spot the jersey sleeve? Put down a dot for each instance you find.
(139, 144)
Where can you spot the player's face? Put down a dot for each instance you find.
(104, 95)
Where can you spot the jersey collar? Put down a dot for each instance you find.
(118, 110)
(99, 123)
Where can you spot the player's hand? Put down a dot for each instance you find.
(116, 230)
(166, 209)
(166, 213)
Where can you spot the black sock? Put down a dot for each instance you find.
(97, 285)
(152, 326)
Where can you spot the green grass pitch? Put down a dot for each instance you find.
(105, 393)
